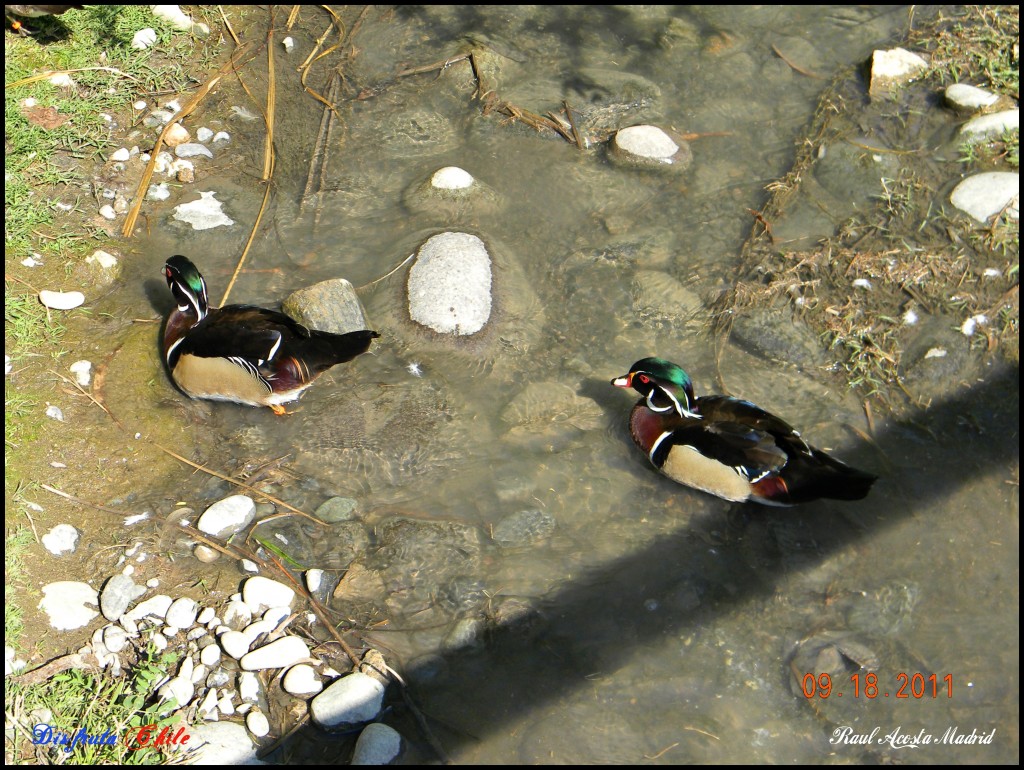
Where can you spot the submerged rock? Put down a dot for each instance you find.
(777, 336)
(451, 191)
(523, 528)
(203, 214)
(378, 744)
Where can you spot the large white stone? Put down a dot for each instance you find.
(61, 300)
(222, 743)
(992, 126)
(182, 613)
(301, 680)
(352, 699)
(894, 67)
(451, 178)
(985, 195)
(235, 643)
(228, 516)
(61, 539)
(450, 284)
(284, 652)
(180, 689)
(261, 593)
(646, 142)
(153, 607)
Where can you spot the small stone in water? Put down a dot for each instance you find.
(54, 413)
(204, 213)
(647, 142)
(971, 324)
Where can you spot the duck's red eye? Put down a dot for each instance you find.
(644, 378)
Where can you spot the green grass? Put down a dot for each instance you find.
(974, 46)
(980, 49)
(75, 700)
(28, 325)
(54, 145)
(15, 546)
(41, 159)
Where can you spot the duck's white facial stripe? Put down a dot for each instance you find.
(679, 408)
(195, 301)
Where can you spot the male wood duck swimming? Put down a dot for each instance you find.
(250, 355)
(729, 447)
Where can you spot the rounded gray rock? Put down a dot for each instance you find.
(649, 146)
(378, 744)
(983, 196)
(450, 284)
(961, 96)
(329, 306)
(352, 699)
(117, 594)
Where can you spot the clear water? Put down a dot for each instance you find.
(658, 623)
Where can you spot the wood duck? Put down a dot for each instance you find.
(11, 12)
(729, 447)
(250, 355)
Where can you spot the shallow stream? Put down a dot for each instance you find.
(548, 596)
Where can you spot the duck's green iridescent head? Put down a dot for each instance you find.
(664, 384)
(187, 285)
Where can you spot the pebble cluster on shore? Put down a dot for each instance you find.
(223, 649)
